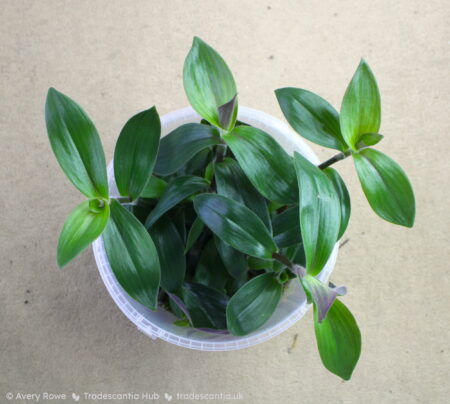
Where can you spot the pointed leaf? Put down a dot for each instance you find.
(132, 256)
(207, 306)
(253, 304)
(361, 106)
(136, 151)
(235, 224)
(319, 213)
(286, 227)
(344, 198)
(232, 183)
(338, 340)
(208, 82)
(182, 144)
(194, 233)
(311, 116)
(386, 187)
(170, 246)
(178, 190)
(86, 222)
(76, 144)
(265, 163)
(154, 188)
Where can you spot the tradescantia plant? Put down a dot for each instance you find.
(215, 219)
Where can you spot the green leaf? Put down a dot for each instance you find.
(136, 151)
(369, 139)
(311, 116)
(286, 227)
(210, 270)
(234, 261)
(208, 83)
(319, 213)
(265, 163)
(207, 306)
(386, 187)
(132, 256)
(253, 304)
(361, 106)
(235, 224)
(232, 183)
(154, 188)
(339, 340)
(344, 198)
(194, 233)
(82, 227)
(183, 143)
(76, 144)
(178, 190)
(170, 252)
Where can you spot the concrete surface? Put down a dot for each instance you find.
(60, 332)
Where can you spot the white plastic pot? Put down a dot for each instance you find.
(159, 324)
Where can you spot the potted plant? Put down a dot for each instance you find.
(215, 219)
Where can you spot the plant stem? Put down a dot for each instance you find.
(334, 159)
(123, 199)
(284, 260)
(220, 152)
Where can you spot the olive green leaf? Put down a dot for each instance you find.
(136, 151)
(266, 164)
(253, 304)
(232, 183)
(76, 144)
(386, 187)
(183, 143)
(207, 306)
(320, 213)
(338, 340)
(235, 224)
(361, 106)
(344, 198)
(311, 116)
(132, 256)
(82, 227)
(209, 83)
(170, 252)
(178, 190)
(154, 188)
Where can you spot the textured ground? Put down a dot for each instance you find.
(60, 331)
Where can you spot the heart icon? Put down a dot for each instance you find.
(76, 397)
(168, 397)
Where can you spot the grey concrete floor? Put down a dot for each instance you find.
(60, 331)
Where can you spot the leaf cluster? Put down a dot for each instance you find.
(215, 219)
